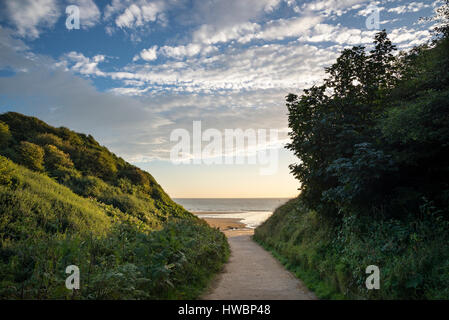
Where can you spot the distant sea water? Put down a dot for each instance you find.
(252, 212)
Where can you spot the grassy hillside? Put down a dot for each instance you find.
(372, 144)
(88, 169)
(331, 257)
(65, 200)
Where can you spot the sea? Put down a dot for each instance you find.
(251, 211)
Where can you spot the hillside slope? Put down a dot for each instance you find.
(331, 258)
(57, 208)
(88, 169)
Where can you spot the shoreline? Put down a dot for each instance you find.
(231, 227)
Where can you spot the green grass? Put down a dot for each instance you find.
(311, 278)
(65, 199)
(44, 227)
(88, 169)
(331, 257)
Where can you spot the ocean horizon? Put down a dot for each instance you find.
(250, 211)
(230, 204)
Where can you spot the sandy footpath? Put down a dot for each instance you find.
(252, 273)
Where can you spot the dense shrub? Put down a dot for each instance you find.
(31, 155)
(5, 135)
(44, 139)
(174, 263)
(55, 158)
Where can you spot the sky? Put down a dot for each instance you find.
(135, 71)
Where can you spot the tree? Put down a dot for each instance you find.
(442, 16)
(381, 65)
(328, 121)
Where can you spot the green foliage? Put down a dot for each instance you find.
(330, 120)
(44, 139)
(174, 263)
(331, 258)
(377, 126)
(44, 227)
(5, 135)
(90, 170)
(71, 201)
(55, 158)
(31, 155)
(358, 177)
(98, 163)
(372, 143)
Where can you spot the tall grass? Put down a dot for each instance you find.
(44, 227)
(331, 257)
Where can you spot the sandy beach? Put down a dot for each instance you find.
(229, 226)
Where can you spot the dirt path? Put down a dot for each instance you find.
(252, 273)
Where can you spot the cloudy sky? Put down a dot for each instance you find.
(136, 70)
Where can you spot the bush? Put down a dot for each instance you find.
(55, 158)
(31, 155)
(44, 139)
(5, 135)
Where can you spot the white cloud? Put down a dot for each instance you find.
(181, 51)
(403, 37)
(275, 66)
(30, 16)
(338, 34)
(247, 32)
(411, 7)
(129, 91)
(369, 10)
(210, 34)
(283, 28)
(176, 52)
(131, 15)
(137, 13)
(148, 54)
(81, 64)
(409, 37)
(328, 7)
(190, 50)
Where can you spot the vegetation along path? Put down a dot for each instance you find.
(252, 273)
